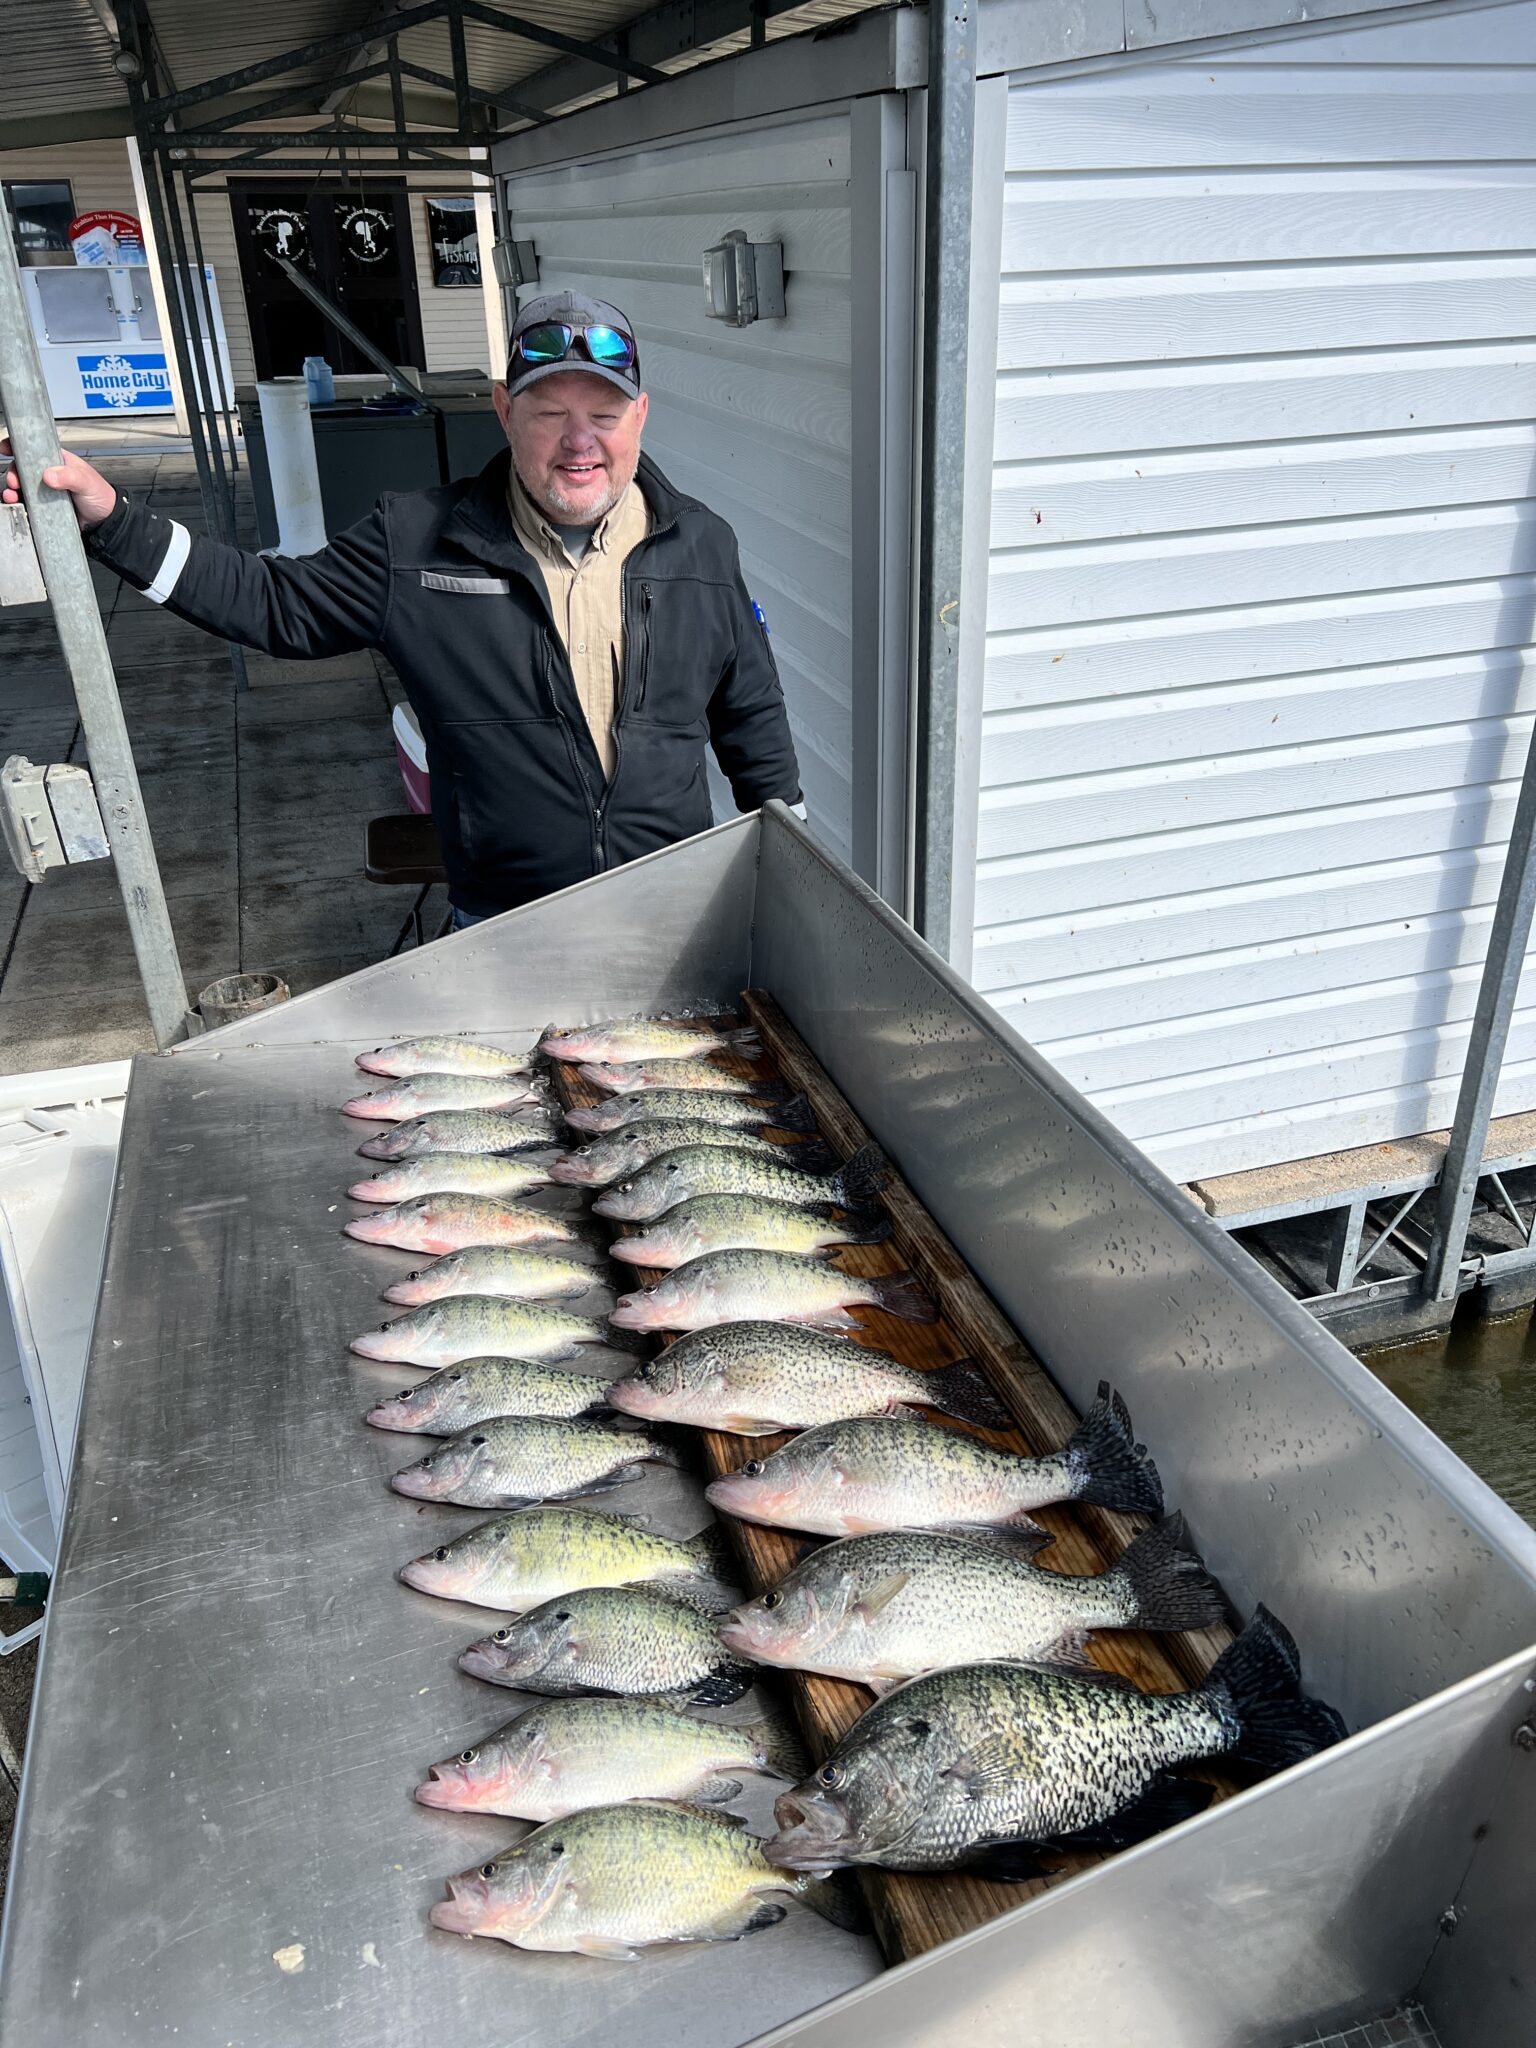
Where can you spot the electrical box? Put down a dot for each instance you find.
(515, 263)
(50, 816)
(743, 280)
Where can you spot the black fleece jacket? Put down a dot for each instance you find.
(439, 581)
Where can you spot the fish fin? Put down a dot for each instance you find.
(1008, 1862)
(1165, 1802)
(962, 1390)
(833, 1319)
(1022, 1536)
(752, 1425)
(1082, 1671)
(1259, 1677)
(809, 1155)
(880, 1596)
(736, 1822)
(746, 1917)
(989, 1766)
(858, 1184)
(709, 1595)
(1113, 1470)
(794, 1115)
(881, 1686)
(782, 1750)
(836, 1899)
(605, 1949)
(744, 1041)
(900, 1294)
(724, 1684)
(715, 1792)
(1069, 1653)
(616, 1339)
(1166, 1583)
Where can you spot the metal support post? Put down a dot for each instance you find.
(1507, 941)
(946, 334)
(60, 550)
(226, 401)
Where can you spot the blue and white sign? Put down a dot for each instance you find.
(122, 379)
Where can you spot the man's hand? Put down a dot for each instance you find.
(93, 496)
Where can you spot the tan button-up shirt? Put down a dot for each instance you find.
(587, 599)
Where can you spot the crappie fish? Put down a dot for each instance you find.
(892, 1472)
(975, 1767)
(426, 1094)
(459, 1396)
(627, 1151)
(629, 1077)
(480, 1326)
(728, 1223)
(879, 1609)
(617, 1879)
(530, 1129)
(526, 1274)
(452, 1173)
(726, 1112)
(453, 1223)
(649, 1038)
(718, 1170)
(730, 1287)
(612, 1639)
(443, 1056)
(513, 1460)
(566, 1755)
(521, 1560)
(753, 1378)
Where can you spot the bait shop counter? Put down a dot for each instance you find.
(217, 1843)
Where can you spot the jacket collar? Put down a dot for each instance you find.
(481, 521)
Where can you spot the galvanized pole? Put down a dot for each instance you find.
(60, 550)
(1507, 941)
(946, 317)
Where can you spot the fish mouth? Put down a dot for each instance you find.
(446, 1787)
(382, 1345)
(377, 1063)
(410, 1293)
(384, 1146)
(418, 1485)
(633, 1397)
(813, 1833)
(394, 1415)
(467, 1906)
(738, 1634)
(487, 1661)
(371, 1108)
(738, 1495)
(373, 1228)
(427, 1576)
(618, 1208)
(591, 1120)
(369, 1191)
(636, 1312)
(574, 1173)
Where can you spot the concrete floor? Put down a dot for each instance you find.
(256, 803)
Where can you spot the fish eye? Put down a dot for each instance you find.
(774, 1599)
(920, 1727)
(753, 1468)
(502, 1635)
(831, 1775)
(563, 1615)
(487, 1870)
(439, 1555)
(468, 1756)
(406, 1394)
(477, 1439)
(454, 1378)
(557, 1848)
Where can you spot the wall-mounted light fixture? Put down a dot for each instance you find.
(743, 280)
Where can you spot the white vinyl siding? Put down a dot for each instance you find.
(1258, 690)
(754, 422)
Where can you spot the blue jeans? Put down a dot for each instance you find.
(463, 919)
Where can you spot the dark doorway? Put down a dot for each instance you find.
(356, 244)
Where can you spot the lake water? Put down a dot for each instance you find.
(1476, 1388)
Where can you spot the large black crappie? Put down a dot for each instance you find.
(978, 1766)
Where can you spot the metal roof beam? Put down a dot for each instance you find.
(608, 60)
(91, 124)
(507, 101)
(671, 30)
(324, 136)
(283, 102)
(292, 60)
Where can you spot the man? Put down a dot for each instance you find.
(571, 630)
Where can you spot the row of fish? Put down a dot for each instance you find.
(1018, 1741)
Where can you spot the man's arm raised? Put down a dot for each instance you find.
(94, 498)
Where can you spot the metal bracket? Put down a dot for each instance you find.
(50, 816)
(744, 280)
(515, 263)
(21, 576)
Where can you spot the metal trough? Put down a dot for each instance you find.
(215, 1840)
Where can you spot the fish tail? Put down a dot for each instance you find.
(900, 1295)
(782, 1749)
(722, 1685)
(810, 1156)
(1112, 1469)
(859, 1183)
(744, 1042)
(1259, 1680)
(962, 1390)
(794, 1115)
(863, 1228)
(1165, 1583)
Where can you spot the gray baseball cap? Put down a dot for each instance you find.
(571, 309)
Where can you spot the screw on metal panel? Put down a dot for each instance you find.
(1525, 1736)
(1448, 1921)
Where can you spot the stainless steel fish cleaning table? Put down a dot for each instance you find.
(216, 1842)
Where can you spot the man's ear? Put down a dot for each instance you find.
(501, 398)
(642, 407)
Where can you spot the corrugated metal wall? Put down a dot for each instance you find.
(1258, 690)
(756, 422)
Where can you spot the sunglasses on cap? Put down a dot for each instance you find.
(553, 341)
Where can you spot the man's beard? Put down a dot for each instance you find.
(551, 501)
